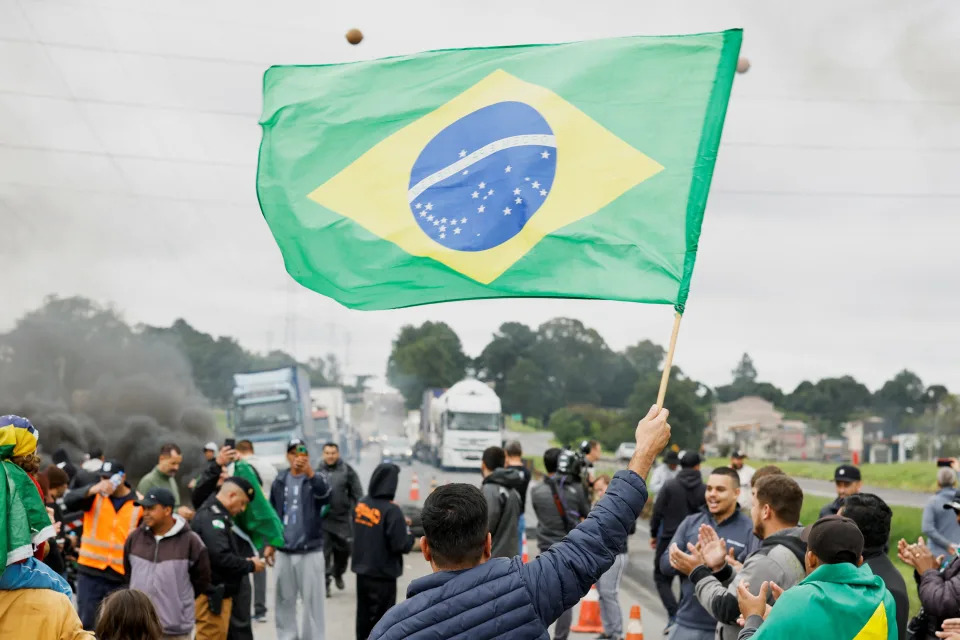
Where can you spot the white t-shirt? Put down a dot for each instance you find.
(746, 495)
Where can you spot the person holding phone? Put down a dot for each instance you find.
(110, 514)
(299, 495)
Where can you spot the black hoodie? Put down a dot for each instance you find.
(500, 489)
(380, 532)
(680, 497)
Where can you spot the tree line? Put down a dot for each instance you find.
(564, 376)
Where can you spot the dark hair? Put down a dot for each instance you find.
(550, 457)
(494, 458)
(513, 449)
(730, 473)
(244, 446)
(128, 614)
(331, 444)
(44, 483)
(592, 444)
(763, 472)
(455, 524)
(56, 476)
(95, 452)
(783, 495)
(872, 516)
(170, 448)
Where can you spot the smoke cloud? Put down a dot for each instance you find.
(86, 379)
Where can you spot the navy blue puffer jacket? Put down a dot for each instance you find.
(504, 598)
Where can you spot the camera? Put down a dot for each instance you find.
(571, 463)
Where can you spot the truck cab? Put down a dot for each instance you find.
(467, 419)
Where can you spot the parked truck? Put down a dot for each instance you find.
(271, 407)
(457, 424)
(331, 417)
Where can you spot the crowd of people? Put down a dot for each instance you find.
(148, 565)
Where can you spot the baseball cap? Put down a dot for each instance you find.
(109, 468)
(671, 457)
(211, 446)
(295, 442)
(834, 539)
(155, 496)
(689, 459)
(738, 453)
(954, 503)
(846, 473)
(244, 484)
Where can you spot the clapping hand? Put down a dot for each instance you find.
(918, 555)
(713, 548)
(685, 563)
(951, 629)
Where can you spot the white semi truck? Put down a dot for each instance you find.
(457, 424)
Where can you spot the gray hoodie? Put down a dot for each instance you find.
(779, 559)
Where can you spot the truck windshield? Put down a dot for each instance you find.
(474, 421)
(264, 413)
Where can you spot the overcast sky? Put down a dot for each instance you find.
(129, 135)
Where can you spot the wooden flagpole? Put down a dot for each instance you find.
(669, 362)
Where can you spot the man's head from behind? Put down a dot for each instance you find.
(514, 451)
(723, 489)
(244, 448)
(493, 458)
(832, 540)
(776, 505)
(455, 528)
(550, 458)
(170, 458)
(872, 516)
(946, 477)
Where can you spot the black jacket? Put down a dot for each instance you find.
(500, 489)
(380, 532)
(679, 497)
(939, 595)
(880, 564)
(551, 527)
(316, 494)
(206, 485)
(345, 492)
(831, 508)
(524, 485)
(228, 565)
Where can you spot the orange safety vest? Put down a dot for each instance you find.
(104, 532)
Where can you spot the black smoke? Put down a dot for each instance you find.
(88, 380)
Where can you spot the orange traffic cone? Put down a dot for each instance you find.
(589, 621)
(525, 557)
(414, 489)
(635, 626)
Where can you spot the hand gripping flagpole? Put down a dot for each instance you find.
(668, 364)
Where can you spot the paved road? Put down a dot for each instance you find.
(897, 497)
(341, 607)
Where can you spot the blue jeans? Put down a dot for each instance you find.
(91, 591)
(521, 527)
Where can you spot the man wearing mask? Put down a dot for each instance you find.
(298, 496)
(345, 492)
(164, 475)
(110, 514)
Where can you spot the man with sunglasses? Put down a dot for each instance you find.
(298, 495)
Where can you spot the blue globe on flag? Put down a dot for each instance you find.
(480, 180)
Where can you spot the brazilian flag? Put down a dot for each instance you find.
(576, 170)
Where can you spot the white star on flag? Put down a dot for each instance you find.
(516, 191)
(543, 192)
(463, 153)
(465, 172)
(443, 235)
(475, 195)
(490, 193)
(506, 211)
(436, 222)
(419, 205)
(480, 209)
(429, 206)
(443, 220)
(518, 201)
(545, 154)
(423, 214)
(463, 221)
(482, 185)
(430, 217)
(507, 170)
(456, 231)
(535, 185)
(443, 227)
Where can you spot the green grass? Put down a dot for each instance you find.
(905, 524)
(519, 427)
(909, 476)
